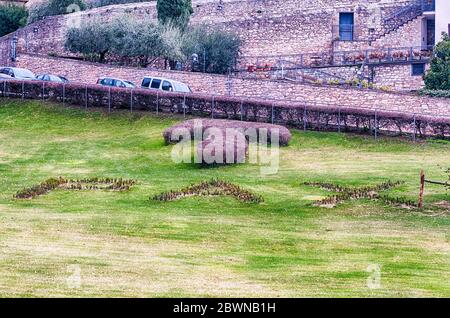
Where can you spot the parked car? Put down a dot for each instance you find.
(16, 73)
(109, 81)
(52, 78)
(165, 85)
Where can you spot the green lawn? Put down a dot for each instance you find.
(123, 244)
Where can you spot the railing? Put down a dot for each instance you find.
(400, 55)
(428, 5)
(413, 6)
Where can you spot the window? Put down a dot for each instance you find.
(346, 23)
(146, 82)
(418, 69)
(119, 83)
(167, 86)
(5, 71)
(156, 83)
(107, 82)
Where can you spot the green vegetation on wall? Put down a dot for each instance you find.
(12, 17)
(54, 7)
(438, 77)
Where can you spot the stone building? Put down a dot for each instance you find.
(386, 42)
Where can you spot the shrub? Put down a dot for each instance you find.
(284, 133)
(12, 17)
(435, 93)
(217, 50)
(438, 77)
(54, 7)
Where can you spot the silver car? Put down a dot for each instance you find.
(16, 73)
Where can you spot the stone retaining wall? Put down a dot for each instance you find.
(88, 73)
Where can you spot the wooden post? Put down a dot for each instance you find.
(422, 187)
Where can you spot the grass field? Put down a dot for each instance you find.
(123, 244)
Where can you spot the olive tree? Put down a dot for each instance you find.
(93, 39)
(216, 50)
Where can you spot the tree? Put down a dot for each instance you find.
(176, 11)
(216, 50)
(93, 39)
(12, 17)
(171, 44)
(54, 7)
(136, 39)
(438, 77)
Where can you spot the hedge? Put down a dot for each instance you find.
(295, 114)
(435, 93)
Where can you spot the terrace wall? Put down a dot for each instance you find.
(85, 72)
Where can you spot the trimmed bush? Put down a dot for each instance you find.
(284, 133)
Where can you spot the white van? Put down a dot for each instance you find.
(165, 85)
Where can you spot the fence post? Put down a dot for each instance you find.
(376, 124)
(304, 119)
(422, 188)
(184, 105)
(242, 109)
(415, 128)
(157, 103)
(64, 94)
(86, 97)
(131, 100)
(23, 90)
(109, 99)
(212, 108)
(339, 119)
(4, 88)
(273, 114)
(43, 91)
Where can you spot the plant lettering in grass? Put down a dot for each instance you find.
(214, 187)
(107, 184)
(366, 192)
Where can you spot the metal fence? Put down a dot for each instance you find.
(298, 114)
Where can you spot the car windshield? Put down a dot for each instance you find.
(22, 73)
(129, 84)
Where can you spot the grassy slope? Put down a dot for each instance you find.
(126, 245)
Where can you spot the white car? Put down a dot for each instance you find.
(16, 73)
(165, 84)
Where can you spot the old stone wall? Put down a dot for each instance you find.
(88, 73)
(266, 26)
